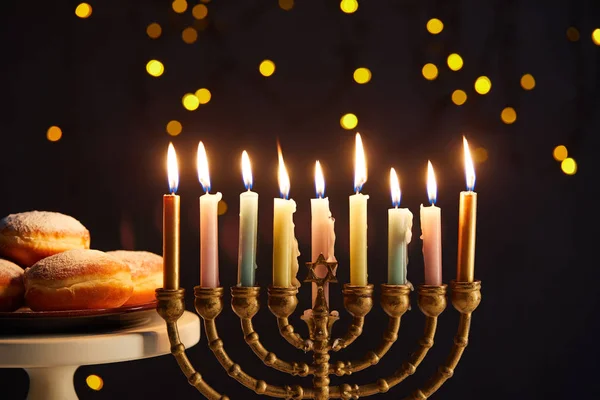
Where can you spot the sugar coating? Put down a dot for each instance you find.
(73, 263)
(9, 271)
(141, 263)
(42, 221)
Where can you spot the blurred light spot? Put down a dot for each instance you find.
(286, 5)
(527, 82)
(190, 102)
(203, 95)
(508, 115)
(83, 10)
(267, 68)
(94, 382)
(155, 68)
(430, 71)
(200, 11)
(349, 6)
(189, 35)
(455, 62)
(480, 155)
(573, 34)
(483, 85)
(560, 153)
(459, 97)
(179, 6)
(596, 36)
(221, 207)
(54, 134)
(349, 121)
(154, 30)
(174, 128)
(362, 75)
(568, 166)
(435, 26)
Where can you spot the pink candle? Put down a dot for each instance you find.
(209, 228)
(431, 228)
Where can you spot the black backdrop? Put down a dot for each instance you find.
(535, 332)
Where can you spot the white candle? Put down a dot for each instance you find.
(209, 231)
(248, 228)
(358, 220)
(322, 231)
(431, 228)
(400, 222)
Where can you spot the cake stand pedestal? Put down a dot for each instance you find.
(51, 360)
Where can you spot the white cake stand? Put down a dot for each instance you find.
(51, 360)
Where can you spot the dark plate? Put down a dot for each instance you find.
(25, 321)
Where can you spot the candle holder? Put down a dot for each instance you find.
(358, 301)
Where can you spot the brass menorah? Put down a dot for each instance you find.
(358, 301)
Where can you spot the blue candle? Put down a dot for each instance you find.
(248, 228)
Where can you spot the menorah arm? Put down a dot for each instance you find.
(358, 301)
(282, 303)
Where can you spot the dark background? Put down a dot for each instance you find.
(534, 335)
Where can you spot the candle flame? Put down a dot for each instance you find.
(469, 169)
(202, 165)
(246, 170)
(360, 165)
(395, 188)
(282, 176)
(319, 180)
(172, 169)
(431, 184)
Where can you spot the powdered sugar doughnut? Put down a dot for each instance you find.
(12, 290)
(146, 273)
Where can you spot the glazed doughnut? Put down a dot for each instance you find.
(76, 280)
(11, 286)
(146, 274)
(26, 238)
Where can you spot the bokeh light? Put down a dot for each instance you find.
(154, 30)
(200, 11)
(483, 85)
(349, 121)
(94, 382)
(155, 68)
(54, 134)
(455, 62)
(527, 82)
(286, 5)
(459, 97)
(480, 155)
(349, 6)
(267, 68)
(572, 34)
(174, 128)
(221, 207)
(435, 26)
(190, 102)
(560, 152)
(569, 166)
(83, 10)
(508, 115)
(203, 95)
(362, 75)
(189, 35)
(430, 71)
(596, 36)
(179, 6)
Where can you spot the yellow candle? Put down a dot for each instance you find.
(358, 220)
(467, 216)
(171, 225)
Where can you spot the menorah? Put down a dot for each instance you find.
(358, 301)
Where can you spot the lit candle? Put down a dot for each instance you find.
(248, 227)
(400, 222)
(467, 215)
(431, 228)
(209, 229)
(171, 225)
(358, 219)
(285, 246)
(322, 231)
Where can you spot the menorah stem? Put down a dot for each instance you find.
(321, 347)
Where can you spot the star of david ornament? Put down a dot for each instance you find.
(312, 274)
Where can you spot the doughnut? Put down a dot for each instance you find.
(76, 280)
(11, 286)
(26, 238)
(146, 274)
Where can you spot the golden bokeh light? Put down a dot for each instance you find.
(459, 97)
(203, 95)
(435, 26)
(349, 6)
(527, 82)
(568, 166)
(155, 68)
(267, 68)
(286, 5)
(349, 121)
(429, 71)
(154, 30)
(455, 62)
(596, 36)
(190, 102)
(560, 152)
(480, 155)
(94, 382)
(508, 115)
(362, 75)
(483, 85)
(179, 6)
(83, 10)
(572, 34)
(200, 11)
(189, 35)
(54, 134)
(221, 207)
(174, 128)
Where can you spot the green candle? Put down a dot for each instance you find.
(399, 235)
(248, 228)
